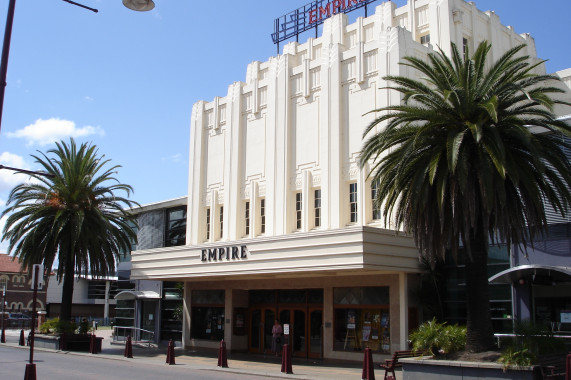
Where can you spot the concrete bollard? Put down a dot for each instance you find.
(368, 366)
(170, 353)
(222, 355)
(286, 360)
(128, 348)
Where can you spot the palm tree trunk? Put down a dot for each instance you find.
(67, 291)
(480, 336)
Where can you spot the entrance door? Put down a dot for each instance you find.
(261, 322)
(148, 317)
(298, 338)
(315, 333)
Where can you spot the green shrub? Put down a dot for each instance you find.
(514, 357)
(56, 326)
(438, 338)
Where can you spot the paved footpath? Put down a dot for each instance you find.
(257, 365)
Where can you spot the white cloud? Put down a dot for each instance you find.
(175, 158)
(88, 98)
(9, 178)
(44, 132)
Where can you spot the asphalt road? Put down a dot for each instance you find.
(60, 366)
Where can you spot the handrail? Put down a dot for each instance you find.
(136, 334)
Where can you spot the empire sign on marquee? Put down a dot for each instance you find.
(224, 253)
(311, 16)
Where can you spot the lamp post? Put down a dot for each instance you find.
(139, 5)
(3, 338)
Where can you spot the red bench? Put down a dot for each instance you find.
(391, 364)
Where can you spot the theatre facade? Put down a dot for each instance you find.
(280, 219)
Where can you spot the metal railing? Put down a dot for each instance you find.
(138, 335)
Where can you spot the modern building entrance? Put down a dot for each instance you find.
(302, 310)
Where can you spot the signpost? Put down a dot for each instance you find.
(37, 282)
(3, 338)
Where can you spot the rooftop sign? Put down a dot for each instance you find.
(311, 16)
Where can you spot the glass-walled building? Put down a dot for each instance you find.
(153, 308)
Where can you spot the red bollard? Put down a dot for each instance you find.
(222, 355)
(128, 348)
(568, 367)
(368, 366)
(170, 353)
(3, 338)
(92, 345)
(286, 360)
(30, 372)
(22, 341)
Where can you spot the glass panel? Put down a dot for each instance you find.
(148, 315)
(255, 328)
(315, 296)
(292, 296)
(269, 318)
(207, 323)
(299, 333)
(207, 297)
(361, 296)
(262, 297)
(356, 329)
(315, 324)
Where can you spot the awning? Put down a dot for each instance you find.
(533, 273)
(137, 295)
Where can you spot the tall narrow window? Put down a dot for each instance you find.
(464, 46)
(376, 208)
(208, 224)
(247, 218)
(175, 229)
(317, 206)
(298, 208)
(221, 221)
(262, 216)
(353, 202)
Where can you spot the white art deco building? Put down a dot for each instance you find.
(280, 218)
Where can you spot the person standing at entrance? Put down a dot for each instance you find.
(277, 332)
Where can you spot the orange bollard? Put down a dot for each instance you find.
(22, 341)
(286, 360)
(128, 348)
(222, 355)
(170, 353)
(368, 366)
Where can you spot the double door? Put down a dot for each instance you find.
(305, 329)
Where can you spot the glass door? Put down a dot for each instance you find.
(296, 319)
(147, 318)
(315, 333)
(261, 322)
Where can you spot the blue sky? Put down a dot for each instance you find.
(127, 80)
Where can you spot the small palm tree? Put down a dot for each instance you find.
(458, 163)
(72, 216)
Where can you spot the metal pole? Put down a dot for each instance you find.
(33, 316)
(5, 54)
(3, 315)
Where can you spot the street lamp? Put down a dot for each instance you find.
(139, 5)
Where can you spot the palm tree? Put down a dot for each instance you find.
(458, 163)
(72, 216)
